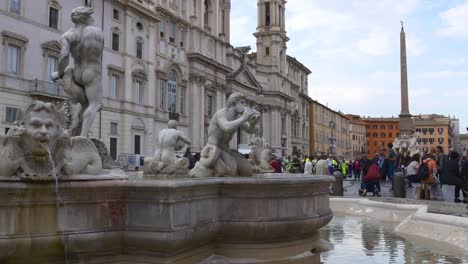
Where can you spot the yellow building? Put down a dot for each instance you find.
(434, 130)
(357, 135)
(328, 131)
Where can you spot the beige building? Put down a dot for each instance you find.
(329, 131)
(464, 144)
(357, 135)
(163, 59)
(434, 130)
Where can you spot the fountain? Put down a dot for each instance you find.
(59, 205)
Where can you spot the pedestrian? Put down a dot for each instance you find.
(452, 176)
(321, 168)
(426, 183)
(412, 170)
(275, 164)
(308, 167)
(357, 169)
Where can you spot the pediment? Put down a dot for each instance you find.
(52, 45)
(244, 76)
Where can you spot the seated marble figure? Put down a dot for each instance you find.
(165, 160)
(38, 148)
(217, 159)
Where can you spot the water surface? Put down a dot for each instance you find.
(363, 241)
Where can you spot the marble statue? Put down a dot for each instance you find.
(217, 159)
(407, 143)
(38, 148)
(165, 160)
(260, 155)
(82, 81)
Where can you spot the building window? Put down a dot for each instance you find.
(13, 59)
(375, 135)
(172, 31)
(162, 93)
(52, 62)
(115, 41)
(113, 148)
(267, 51)
(15, 6)
(209, 105)
(172, 92)
(375, 127)
(267, 14)
(283, 125)
(390, 127)
(138, 92)
(182, 37)
(88, 3)
(113, 128)
(206, 14)
(382, 135)
(139, 50)
(116, 14)
(162, 28)
(11, 114)
(382, 126)
(114, 92)
(137, 144)
(53, 17)
(139, 26)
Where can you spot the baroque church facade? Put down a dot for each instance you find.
(162, 60)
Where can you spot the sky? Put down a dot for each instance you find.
(352, 48)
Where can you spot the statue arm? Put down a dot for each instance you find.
(185, 139)
(64, 57)
(229, 126)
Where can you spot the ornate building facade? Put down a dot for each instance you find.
(379, 132)
(163, 59)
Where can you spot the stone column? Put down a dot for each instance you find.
(404, 74)
(196, 114)
(227, 22)
(406, 123)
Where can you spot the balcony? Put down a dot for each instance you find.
(39, 88)
(173, 116)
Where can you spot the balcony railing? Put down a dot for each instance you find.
(43, 88)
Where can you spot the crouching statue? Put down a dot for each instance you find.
(216, 157)
(260, 156)
(38, 148)
(165, 161)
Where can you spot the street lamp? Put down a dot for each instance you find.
(332, 137)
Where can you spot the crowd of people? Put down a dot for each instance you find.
(432, 169)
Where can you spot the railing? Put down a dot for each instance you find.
(173, 116)
(32, 87)
(38, 87)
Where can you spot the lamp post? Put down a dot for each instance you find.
(332, 137)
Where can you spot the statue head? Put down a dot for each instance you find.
(41, 128)
(82, 15)
(238, 101)
(172, 124)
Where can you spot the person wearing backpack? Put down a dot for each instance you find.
(427, 174)
(451, 176)
(371, 181)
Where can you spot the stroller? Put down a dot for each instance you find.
(370, 187)
(371, 181)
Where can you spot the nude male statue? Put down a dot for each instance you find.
(216, 157)
(168, 141)
(165, 160)
(82, 81)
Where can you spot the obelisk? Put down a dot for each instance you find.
(406, 124)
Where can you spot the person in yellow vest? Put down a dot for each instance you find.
(344, 167)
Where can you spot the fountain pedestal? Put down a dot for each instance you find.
(165, 221)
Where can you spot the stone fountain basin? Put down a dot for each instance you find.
(448, 233)
(162, 221)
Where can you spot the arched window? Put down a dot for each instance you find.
(172, 92)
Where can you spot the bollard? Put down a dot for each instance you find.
(337, 186)
(399, 185)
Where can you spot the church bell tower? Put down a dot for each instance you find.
(271, 34)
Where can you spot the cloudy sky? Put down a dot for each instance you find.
(352, 49)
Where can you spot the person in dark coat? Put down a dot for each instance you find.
(451, 176)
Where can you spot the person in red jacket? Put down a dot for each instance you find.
(275, 165)
(371, 181)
